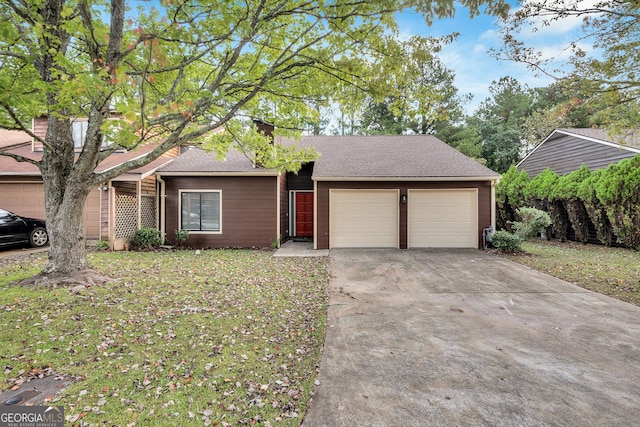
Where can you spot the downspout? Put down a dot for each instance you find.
(278, 209)
(315, 214)
(139, 197)
(493, 203)
(111, 215)
(161, 203)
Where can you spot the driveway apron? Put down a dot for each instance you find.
(464, 338)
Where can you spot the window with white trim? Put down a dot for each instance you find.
(200, 210)
(79, 132)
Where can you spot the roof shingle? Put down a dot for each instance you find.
(396, 156)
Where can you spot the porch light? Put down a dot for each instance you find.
(403, 199)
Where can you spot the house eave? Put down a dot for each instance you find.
(219, 174)
(408, 178)
(577, 135)
(11, 174)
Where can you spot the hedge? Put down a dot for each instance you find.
(609, 198)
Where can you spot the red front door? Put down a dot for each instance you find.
(304, 213)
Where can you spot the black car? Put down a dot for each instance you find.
(16, 230)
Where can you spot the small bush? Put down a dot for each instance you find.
(102, 245)
(145, 239)
(534, 221)
(506, 242)
(181, 237)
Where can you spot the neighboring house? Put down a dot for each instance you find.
(565, 150)
(113, 211)
(410, 191)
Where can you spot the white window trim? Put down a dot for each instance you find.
(199, 191)
(105, 141)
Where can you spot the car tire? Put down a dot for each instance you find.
(38, 237)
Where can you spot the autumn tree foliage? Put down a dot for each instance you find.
(604, 57)
(173, 71)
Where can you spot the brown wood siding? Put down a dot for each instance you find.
(40, 126)
(565, 153)
(126, 187)
(249, 210)
(104, 215)
(484, 203)
(284, 208)
(92, 215)
(148, 185)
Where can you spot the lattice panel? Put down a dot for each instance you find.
(126, 215)
(148, 211)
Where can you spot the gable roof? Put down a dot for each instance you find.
(196, 161)
(629, 140)
(565, 150)
(352, 158)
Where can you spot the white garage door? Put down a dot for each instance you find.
(443, 218)
(363, 218)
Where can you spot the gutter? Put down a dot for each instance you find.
(408, 178)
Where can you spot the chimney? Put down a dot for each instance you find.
(264, 128)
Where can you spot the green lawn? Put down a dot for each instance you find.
(179, 338)
(610, 271)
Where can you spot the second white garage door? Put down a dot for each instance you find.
(363, 218)
(443, 218)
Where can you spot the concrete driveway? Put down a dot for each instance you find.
(461, 338)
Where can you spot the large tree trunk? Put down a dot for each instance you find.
(65, 226)
(65, 192)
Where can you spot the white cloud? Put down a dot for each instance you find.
(537, 27)
(490, 36)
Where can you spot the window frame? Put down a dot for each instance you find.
(199, 191)
(83, 123)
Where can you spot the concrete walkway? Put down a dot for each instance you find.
(291, 248)
(462, 338)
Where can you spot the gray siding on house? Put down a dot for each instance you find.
(566, 153)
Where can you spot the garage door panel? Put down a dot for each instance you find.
(27, 199)
(442, 218)
(363, 218)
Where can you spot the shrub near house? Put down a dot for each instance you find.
(608, 198)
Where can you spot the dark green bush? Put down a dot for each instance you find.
(541, 187)
(181, 237)
(540, 194)
(506, 242)
(534, 221)
(595, 208)
(145, 239)
(619, 192)
(509, 195)
(566, 192)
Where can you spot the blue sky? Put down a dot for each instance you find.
(468, 56)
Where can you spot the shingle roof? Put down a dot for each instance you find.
(13, 137)
(197, 160)
(8, 166)
(397, 156)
